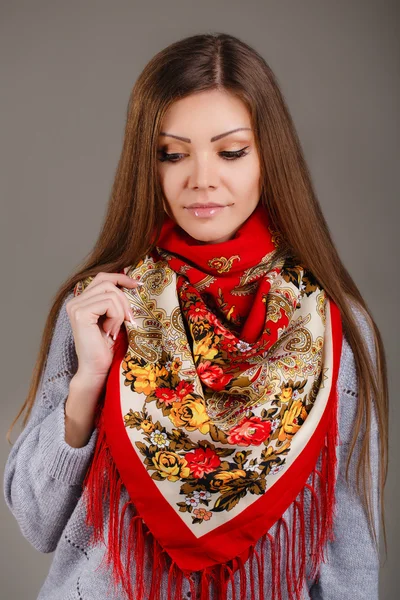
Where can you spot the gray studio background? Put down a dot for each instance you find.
(66, 73)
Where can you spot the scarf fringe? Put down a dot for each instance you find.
(102, 481)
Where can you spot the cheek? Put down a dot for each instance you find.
(169, 184)
(172, 176)
(245, 178)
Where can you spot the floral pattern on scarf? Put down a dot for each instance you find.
(217, 414)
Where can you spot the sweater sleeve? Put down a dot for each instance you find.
(43, 475)
(351, 569)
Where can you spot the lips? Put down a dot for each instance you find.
(205, 210)
(204, 205)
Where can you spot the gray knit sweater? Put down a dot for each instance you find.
(43, 483)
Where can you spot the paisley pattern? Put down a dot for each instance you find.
(222, 264)
(225, 382)
(215, 420)
(211, 415)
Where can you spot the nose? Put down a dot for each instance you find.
(203, 172)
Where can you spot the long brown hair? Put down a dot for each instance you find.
(220, 61)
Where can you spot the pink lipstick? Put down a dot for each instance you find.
(205, 210)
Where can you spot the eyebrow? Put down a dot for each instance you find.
(213, 139)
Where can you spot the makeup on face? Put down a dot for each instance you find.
(209, 165)
(205, 211)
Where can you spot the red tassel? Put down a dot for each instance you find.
(273, 566)
(178, 585)
(102, 483)
(192, 588)
(170, 580)
(299, 553)
(157, 566)
(204, 585)
(289, 579)
(251, 559)
(243, 578)
(232, 582)
(279, 559)
(261, 567)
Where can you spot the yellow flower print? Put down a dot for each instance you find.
(222, 481)
(146, 425)
(145, 379)
(292, 420)
(203, 348)
(176, 365)
(127, 365)
(286, 394)
(191, 414)
(161, 372)
(170, 465)
(197, 329)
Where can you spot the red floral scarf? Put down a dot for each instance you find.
(218, 406)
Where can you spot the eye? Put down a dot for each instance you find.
(234, 154)
(164, 156)
(227, 155)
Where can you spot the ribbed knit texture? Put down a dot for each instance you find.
(43, 483)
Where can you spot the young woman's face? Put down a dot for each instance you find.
(210, 177)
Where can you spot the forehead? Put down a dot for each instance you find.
(208, 113)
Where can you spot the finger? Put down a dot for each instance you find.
(109, 287)
(90, 309)
(116, 279)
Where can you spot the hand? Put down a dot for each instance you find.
(96, 316)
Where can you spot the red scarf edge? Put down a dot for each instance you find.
(103, 480)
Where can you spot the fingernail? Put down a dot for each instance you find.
(114, 336)
(108, 333)
(139, 282)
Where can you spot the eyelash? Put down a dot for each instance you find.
(234, 155)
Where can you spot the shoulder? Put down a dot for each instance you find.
(365, 326)
(347, 384)
(347, 372)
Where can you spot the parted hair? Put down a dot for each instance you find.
(219, 61)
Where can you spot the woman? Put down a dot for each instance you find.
(209, 376)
